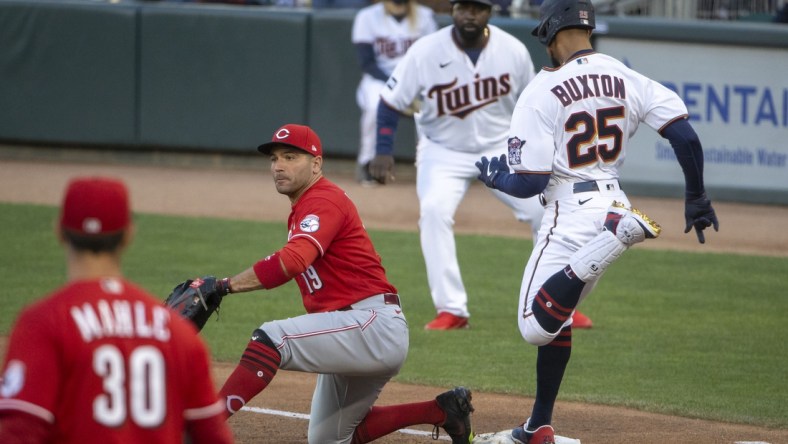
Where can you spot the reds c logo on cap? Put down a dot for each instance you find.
(297, 136)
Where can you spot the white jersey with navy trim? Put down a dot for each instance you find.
(465, 109)
(575, 121)
(463, 106)
(389, 37)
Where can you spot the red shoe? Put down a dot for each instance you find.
(447, 321)
(579, 320)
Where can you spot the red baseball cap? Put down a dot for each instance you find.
(296, 136)
(95, 205)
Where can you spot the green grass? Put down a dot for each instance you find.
(696, 335)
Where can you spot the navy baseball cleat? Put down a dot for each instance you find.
(542, 435)
(456, 403)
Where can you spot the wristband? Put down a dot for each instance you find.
(224, 286)
(269, 272)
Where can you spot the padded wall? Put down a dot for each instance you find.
(220, 77)
(334, 74)
(67, 72)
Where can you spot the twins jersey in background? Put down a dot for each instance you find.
(553, 131)
(390, 38)
(479, 97)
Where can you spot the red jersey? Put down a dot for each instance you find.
(102, 361)
(348, 268)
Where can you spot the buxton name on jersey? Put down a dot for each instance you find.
(590, 85)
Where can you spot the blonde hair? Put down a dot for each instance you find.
(412, 14)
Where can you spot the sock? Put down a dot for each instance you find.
(551, 361)
(557, 298)
(258, 366)
(380, 421)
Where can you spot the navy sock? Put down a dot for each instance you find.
(551, 362)
(557, 298)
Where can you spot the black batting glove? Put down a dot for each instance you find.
(699, 214)
(490, 170)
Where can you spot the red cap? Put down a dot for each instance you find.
(95, 205)
(296, 136)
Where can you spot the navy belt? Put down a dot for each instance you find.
(584, 187)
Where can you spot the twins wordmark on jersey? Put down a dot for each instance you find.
(392, 48)
(459, 100)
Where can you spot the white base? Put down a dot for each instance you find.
(505, 437)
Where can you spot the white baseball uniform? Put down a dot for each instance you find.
(574, 122)
(464, 114)
(390, 39)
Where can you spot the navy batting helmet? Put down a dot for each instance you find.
(556, 15)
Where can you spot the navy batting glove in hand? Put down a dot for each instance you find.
(483, 165)
(698, 213)
(490, 170)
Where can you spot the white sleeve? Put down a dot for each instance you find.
(527, 74)
(662, 105)
(531, 147)
(362, 31)
(403, 86)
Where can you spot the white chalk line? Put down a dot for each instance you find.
(306, 417)
(405, 431)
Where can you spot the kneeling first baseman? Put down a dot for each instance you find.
(354, 335)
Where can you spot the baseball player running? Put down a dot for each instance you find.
(467, 78)
(568, 138)
(100, 360)
(354, 335)
(382, 32)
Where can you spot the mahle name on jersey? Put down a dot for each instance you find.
(121, 319)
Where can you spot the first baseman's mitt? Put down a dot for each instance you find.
(196, 299)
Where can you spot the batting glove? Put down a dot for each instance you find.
(490, 170)
(381, 168)
(698, 213)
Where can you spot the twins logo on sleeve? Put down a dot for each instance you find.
(515, 150)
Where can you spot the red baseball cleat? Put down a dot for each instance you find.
(447, 321)
(579, 320)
